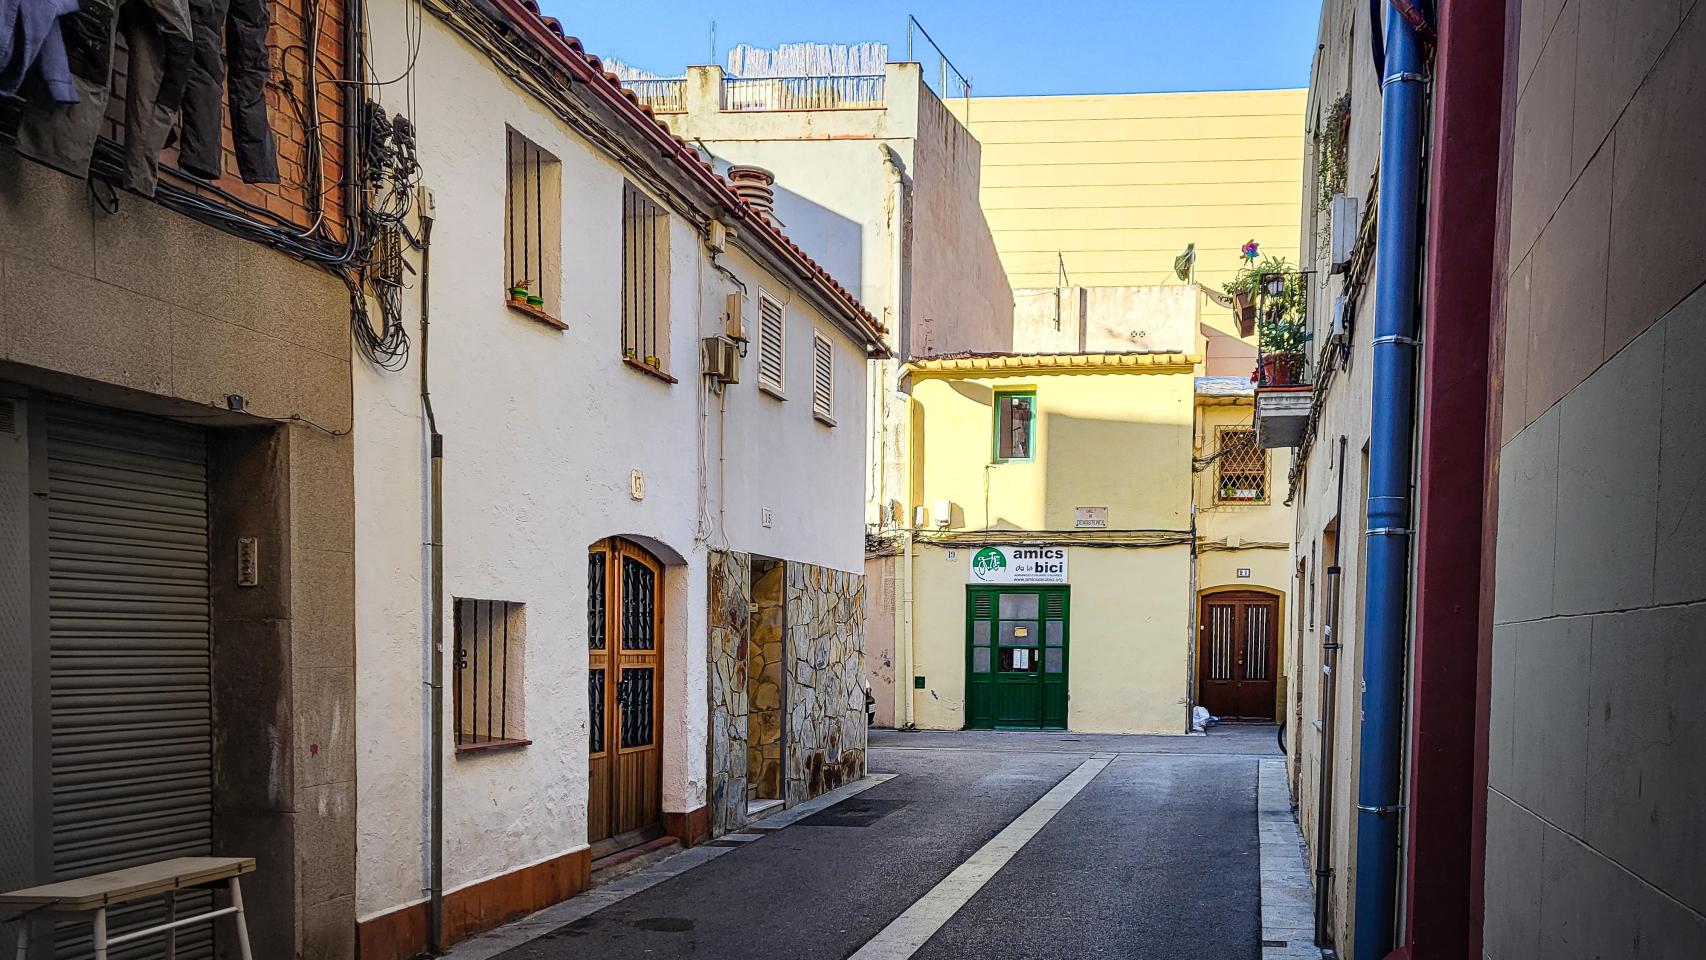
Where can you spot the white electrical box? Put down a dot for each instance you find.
(1340, 305)
(1343, 239)
(942, 511)
(734, 317)
(716, 235)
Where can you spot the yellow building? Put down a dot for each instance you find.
(1113, 187)
(1049, 578)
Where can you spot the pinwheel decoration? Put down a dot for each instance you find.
(1250, 251)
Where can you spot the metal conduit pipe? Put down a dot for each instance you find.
(435, 632)
(1391, 468)
(1329, 717)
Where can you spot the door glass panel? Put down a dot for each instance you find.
(1018, 633)
(1018, 606)
(1054, 659)
(980, 633)
(1220, 623)
(980, 660)
(595, 601)
(634, 700)
(595, 709)
(1054, 633)
(1018, 660)
(639, 597)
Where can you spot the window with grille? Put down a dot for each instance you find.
(1241, 467)
(533, 235)
(645, 280)
(1015, 426)
(490, 637)
(772, 327)
(823, 379)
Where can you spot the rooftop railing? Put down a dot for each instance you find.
(663, 96)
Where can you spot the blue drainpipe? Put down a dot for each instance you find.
(1403, 123)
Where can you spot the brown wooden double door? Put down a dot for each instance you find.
(624, 619)
(1238, 654)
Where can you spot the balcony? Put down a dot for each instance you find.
(663, 96)
(1284, 391)
(764, 94)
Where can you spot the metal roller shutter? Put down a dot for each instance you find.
(131, 679)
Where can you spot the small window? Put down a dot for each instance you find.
(490, 638)
(1015, 426)
(533, 244)
(823, 379)
(772, 328)
(645, 280)
(1241, 467)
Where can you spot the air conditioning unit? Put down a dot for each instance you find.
(1343, 241)
(720, 359)
(734, 317)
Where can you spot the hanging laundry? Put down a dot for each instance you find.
(244, 25)
(30, 38)
(157, 38)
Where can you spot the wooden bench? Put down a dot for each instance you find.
(94, 895)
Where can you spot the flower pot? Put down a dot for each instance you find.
(536, 302)
(1244, 307)
(1279, 370)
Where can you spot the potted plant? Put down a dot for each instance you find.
(1281, 336)
(518, 291)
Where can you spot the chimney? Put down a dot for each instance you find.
(756, 187)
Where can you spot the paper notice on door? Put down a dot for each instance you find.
(1021, 659)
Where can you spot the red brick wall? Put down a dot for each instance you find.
(291, 200)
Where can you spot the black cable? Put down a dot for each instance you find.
(1376, 37)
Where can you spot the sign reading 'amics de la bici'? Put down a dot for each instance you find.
(1018, 565)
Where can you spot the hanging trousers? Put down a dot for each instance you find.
(157, 37)
(241, 73)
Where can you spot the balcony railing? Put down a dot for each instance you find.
(663, 96)
(757, 94)
(1282, 375)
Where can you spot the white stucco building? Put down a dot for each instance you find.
(616, 523)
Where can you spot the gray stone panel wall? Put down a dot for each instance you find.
(730, 626)
(825, 623)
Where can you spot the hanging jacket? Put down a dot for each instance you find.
(157, 36)
(30, 38)
(242, 74)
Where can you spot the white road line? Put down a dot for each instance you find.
(907, 932)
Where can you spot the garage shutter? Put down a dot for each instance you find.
(131, 686)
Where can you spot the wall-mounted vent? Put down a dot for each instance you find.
(8, 418)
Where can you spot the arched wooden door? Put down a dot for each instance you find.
(624, 695)
(1238, 654)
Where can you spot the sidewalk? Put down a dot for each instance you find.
(1288, 917)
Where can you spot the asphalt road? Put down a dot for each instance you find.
(1156, 858)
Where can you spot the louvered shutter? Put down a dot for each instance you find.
(130, 657)
(823, 378)
(770, 342)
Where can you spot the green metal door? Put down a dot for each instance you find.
(1016, 656)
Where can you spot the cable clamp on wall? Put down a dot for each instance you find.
(1388, 532)
(1399, 339)
(1405, 77)
(1381, 811)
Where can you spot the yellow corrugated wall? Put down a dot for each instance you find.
(1119, 184)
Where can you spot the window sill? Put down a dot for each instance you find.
(534, 313)
(823, 418)
(490, 744)
(649, 370)
(772, 390)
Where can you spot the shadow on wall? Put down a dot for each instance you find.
(834, 241)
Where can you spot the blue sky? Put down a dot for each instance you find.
(1006, 47)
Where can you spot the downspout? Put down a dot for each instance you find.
(1391, 439)
(906, 721)
(1330, 646)
(435, 649)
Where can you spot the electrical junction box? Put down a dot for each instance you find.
(716, 235)
(734, 316)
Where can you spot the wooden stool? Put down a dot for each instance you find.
(94, 895)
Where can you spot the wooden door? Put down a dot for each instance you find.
(1016, 658)
(624, 695)
(1237, 654)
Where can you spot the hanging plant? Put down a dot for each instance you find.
(1332, 152)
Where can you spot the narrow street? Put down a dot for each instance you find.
(1155, 856)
